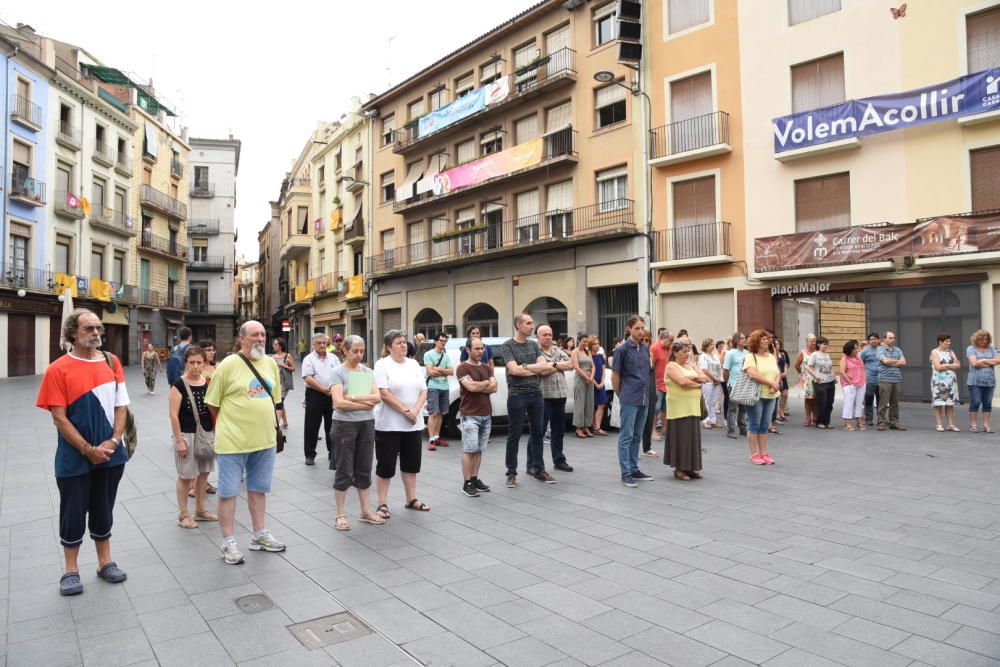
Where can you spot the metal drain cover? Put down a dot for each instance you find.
(251, 604)
(327, 630)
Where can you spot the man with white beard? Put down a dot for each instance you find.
(242, 394)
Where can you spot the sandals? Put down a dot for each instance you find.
(341, 522)
(953, 428)
(205, 516)
(988, 430)
(373, 519)
(974, 429)
(681, 475)
(418, 506)
(694, 474)
(211, 489)
(600, 432)
(185, 521)
(383, 511)
(939, 428)
(848, 427)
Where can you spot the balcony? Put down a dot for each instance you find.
(67, 205)
(112, 221)
(26, 190)
(354, 235)
(558, 148)
(541, 76)
(208, 263)
(355, 288)
(162, 202)
(103, 154)
(356, 178)
(123, 164)
(534, 233)
(295, 246)
(68, 136)
(150, 298)
(691, 139)
(201, 189)
(691, 245)
(129, 293)
(175, 300)
(160, 245)
(203, 227)
(329, 284)
(25, 112)
(176, 168)
(15, 276)
(200, 308)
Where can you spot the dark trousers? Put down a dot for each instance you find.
(651, 414)
(888, 403)
(555, 420)
(88, 501)
(725, 400)
(519, 409)
(319, 411)
(871, 396)
(824, 392)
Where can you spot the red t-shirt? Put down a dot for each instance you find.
(659, 354)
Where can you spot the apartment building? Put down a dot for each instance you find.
(246, 283)
(505, 178)
(695, 153)
(211, 227)
(871, 144)
(270, 305)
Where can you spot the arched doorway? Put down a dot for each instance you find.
(546, 310)
(484, 316)
(428, 322)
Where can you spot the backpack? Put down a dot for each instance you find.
(175, 363)
(130, 437)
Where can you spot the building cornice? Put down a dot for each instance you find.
(87, 98)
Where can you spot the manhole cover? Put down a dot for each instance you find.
(251, 604)
(328, 630)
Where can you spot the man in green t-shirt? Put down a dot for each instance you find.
(241, 396)
(439, 367)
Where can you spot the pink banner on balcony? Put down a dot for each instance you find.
(491, 166)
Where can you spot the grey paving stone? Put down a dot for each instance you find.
(368, 650)
(976, 618)
(804, 590)
(172, 622)
(474, 625)
(250, 636)
(196, 650)
(973, 598)
(336, 577)
(855, 585)
(423, 595)
(925, 604)
(355, 596)
(222, 602)
(507, 576)
(37, 602)
(674, 649)
(875, 634)
(122, 648)
(795, 657)
(742, 643)
(562, 601)
(39, 627)
(942, 655)
(479, 592)
(658, 611)
(834, 647)
(447, 649)
(896, 617)
(754, 619)
(724, 587)
(749, 574)
(977, 641)
(400, 622)
(54, 651)
(801, 611)
(587, 646)
(518, 612)
(617, 624)
(299, 656)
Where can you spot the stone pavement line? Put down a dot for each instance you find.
(856, 549)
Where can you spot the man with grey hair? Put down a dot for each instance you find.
(554, 393)
(241, 396)
(317, 373)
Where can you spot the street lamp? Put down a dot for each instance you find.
(351, 179)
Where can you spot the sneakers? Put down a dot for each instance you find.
(767, 459)
(511, 481)
(562, 465)
(478, 483)
(431, 447)
(231, 553)
(640, 476)
(897, 427)
(441, 442)
(311, 460)
(469, 489)
(630, 482)
(757, 460)
(266, 542)
(731, 434)
(543, 476)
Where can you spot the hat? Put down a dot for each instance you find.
(337, 338)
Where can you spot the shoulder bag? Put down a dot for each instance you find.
(746, 390)
(131, 441)
(279, 436)
(204, 441)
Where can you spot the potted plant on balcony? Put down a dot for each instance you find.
(337, 202)
(534, 64)
(458, 233)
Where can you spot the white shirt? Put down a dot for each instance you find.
(405, 381)
(320, 369)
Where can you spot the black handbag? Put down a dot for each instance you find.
(279, 435)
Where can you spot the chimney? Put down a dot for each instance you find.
(24, 27)
(356, 104)
(184, 134)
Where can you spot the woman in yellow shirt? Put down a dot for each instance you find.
(762, 367)
(683, 380)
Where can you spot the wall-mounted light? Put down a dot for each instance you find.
(21, 292)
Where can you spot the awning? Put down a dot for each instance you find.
(438, 164)
(151, 144)
(109, 75)
(356, 312)
(176, 323)
(328, 317)
(357, 217)
(407, 188)
(117, 317)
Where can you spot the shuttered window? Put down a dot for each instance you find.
(526, 129)
(983, 39)
(464, 84)
(527, 204)
(466, 151)
(805, 10)
(609, 95)
(684, 14)
(818, 83)
(690, 97)
(465, 216)
(415, 109)
(612, 189)
(524, 55)
(985, 171)
(22, 154)
(823, 202)
(418, 232)
(436, 99)
(557, 48)
(559, 197)
(489, 72)
(558, 117)
(388, 125)
(388, 240)
(439, 225)
(392, 320)
(694, 202)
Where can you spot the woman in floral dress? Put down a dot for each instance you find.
(944, 381)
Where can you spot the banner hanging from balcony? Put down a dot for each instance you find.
(964, 96)
(934, 237)
(100, 290)
(64, 282)
(470, 103)
(491, 166)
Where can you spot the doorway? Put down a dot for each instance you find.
(20, 345)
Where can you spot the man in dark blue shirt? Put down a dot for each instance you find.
(630, 378)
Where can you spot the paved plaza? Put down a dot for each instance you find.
(875, 549)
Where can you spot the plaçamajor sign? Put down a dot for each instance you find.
(964, 96)
(934, 237)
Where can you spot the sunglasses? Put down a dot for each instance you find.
(93, 327)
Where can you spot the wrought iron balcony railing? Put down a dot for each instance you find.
(27, 190)
(692, 242)
(207, 263)
(68, 136)
(20, 275)
(25, 111)
(163, 202)
(162, 245)
(710, 129)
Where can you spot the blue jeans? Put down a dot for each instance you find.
(759, 416)
(980, 396)
(519, 408)
(629, 436)
(555, 419)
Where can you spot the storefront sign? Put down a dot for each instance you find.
(934, 237)
(967, 95)
(491, 166)
(800, 288)
(26, 305)
(286, 326)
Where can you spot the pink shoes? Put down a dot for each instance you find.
(757, 460)
(767, 459)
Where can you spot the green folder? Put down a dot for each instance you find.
(360, 383)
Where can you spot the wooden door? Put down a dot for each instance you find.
(56, 349)
(20, 345)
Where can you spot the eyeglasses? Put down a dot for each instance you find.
(93, 327)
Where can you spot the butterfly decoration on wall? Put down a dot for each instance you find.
(898, 13)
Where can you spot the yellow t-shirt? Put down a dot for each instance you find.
(683, 401)
(245, 422)
(767, 366)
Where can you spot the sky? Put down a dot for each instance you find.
(264, 75)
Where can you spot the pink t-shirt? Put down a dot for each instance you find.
(854, 372)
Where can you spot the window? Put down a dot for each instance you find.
(388, 181)
(557, 49)
(302, 219)
(388, 126)
(694, 202)
(337, 161)
(97, 194)
(120, 198)
(100, 144)
(63, 254)
(610, 103)
(526, 204)
(21, 169)
(174, 191)
(526, 129)
(122, 155)
(439, 225)
(97, 262)
(321, 175)
(823, 202)
(388, 247)
(19, 255)
(612, 189)
(201, 178)
(800, 11)
(523, 57)
(466, 151)
(691, 98)
(198, 295)
(983, 38)
(605, 23)
(358, 156)
(559, 209)
(489, 72)
(417, 232)
(322, 261)
(199, 250)
(64, 180)
(435, 99)
(172, 240)
(465, 219)
(985, 172)
(66, 122)
(491, 142)
(684, 14)
(558, 117)
(24, 88)
(118, 268)
(464, 85)
(147, 176)
(818, 83)
(145, 266)
(415, 109)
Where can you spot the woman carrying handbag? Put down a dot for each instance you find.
(194, 437)
(760, 367)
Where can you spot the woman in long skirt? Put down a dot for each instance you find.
(583, 389)
(684, 381)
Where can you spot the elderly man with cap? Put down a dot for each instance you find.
(336, 347)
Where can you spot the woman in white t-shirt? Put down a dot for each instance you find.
(398, 422)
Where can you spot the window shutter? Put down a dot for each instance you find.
(609, 174)
(985, 168)
(524, 55)
(691, 97)
(818, 84)
(559, 197)
(526, 129)
(151, 142)
(418, 232)
(464, 83)
(556, 40)
(685, 14)
(465, 216)
(527, 204)
(558, 117)
(415, 109)
(609, 95)
(439, 226)
(694, 202)
(805, 10)
(983, 38)
(22, 153)
(605, 10)
(823, 203)
(466, 151)
(490, 70)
